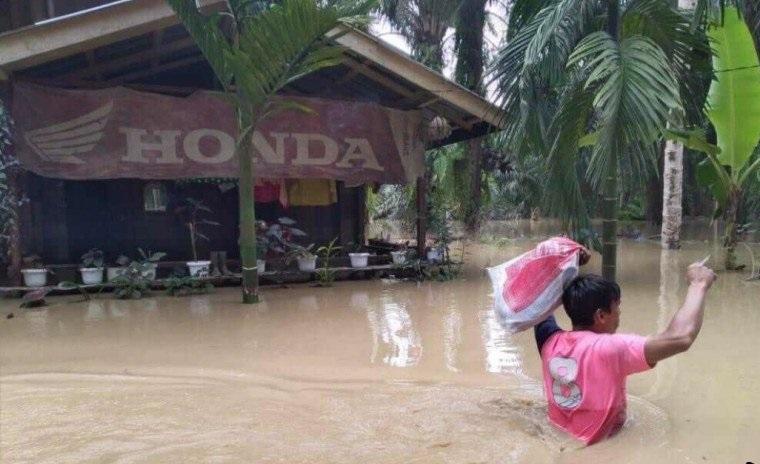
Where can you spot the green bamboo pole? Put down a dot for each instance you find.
(250, 277)
(610, 183)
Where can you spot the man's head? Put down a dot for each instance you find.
(593, 303)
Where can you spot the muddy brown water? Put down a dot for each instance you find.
(365, 371)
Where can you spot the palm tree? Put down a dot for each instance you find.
(468, 41)
(423, 23)
(596, 76)
(255, 49)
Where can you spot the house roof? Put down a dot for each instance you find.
(139, 43)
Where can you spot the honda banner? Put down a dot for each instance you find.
(121, 133)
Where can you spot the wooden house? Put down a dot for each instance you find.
(92, 46)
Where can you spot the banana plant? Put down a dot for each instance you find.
(256, 48)
(733, 107)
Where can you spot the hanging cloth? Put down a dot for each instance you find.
(312, 192)
(270, 191)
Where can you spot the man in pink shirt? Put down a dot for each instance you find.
(585, 369)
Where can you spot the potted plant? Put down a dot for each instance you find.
(273, 238)
(190, 212)
(307, 261)
(148, 263)
(399, 256)
(92, 267)
(113, 272)
(34, 272)
(358, 258)
(325, 274)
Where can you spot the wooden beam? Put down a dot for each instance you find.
(158, 69)
(349, 76)
(400, 89)
(129, 60)
(374, 50)
(78, 32)
(158, 37)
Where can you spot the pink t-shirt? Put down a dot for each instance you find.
(584, 380)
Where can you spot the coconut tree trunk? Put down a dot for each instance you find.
(475, 157)
(672, 191)
(730, 234)
(672, 195)
(470, 23)
(610, 185)
(250, 277)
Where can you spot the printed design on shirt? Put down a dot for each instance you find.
(563, 372)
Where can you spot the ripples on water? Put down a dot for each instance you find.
(372, 372)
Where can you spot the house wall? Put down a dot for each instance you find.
(64, 219)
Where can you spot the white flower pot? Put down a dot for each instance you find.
(435, 255)
(91, 275)
(114, 272)
(399, 257)
(35, 277)
(358, 259)
(197, 268)
(307, 264)
(261, 266)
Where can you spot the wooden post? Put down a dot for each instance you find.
(14, 233)
(421, 215)
(13, 271)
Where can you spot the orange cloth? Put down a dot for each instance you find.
(312, 192)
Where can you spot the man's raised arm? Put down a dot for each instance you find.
(686, 323)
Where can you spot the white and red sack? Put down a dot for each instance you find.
(527, 289)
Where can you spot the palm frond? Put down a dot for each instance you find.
(562, 191)
(635, 93)
(208, 35)
(282, 45)
(687, 49)
(535, 59)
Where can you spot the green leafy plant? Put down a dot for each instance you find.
(272, 238)
(133, 283)
(325, 274)
(92, 259)
(32, 262)
(733, 107)
(190, 212)
(186, 285)
(296, 251)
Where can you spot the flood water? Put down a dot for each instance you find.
(363, 372)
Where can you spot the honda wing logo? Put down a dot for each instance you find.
(60, 142)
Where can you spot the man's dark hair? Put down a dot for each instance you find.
(585, 295)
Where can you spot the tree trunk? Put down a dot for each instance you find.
(610, 184)
(672, 191)
(730, 234)
(475, 157)
(609, 219)
(672, 195)
(250, 276)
